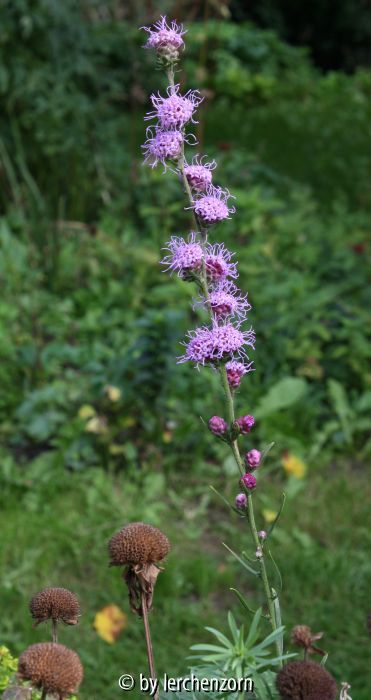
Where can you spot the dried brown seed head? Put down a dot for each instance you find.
(52, 667)
(302, 636)
(138, 543)
(55, 604)
(305, 680)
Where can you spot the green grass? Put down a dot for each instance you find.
(55, 526)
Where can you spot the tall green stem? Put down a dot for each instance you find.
(230, 403)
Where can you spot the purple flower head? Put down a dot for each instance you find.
(199, 174)
(161, 145)
(253, 458)
(185, 256)
(162, 35)
(217, 425)
(245, 423)
(227, 300)
(174, 111)
(262, 535)
(213, 206)
(218, 263)
(249, 481)
(206, 345)
(235, 371)
(241, 501)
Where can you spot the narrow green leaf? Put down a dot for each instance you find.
(221, 497)
(276, 570)
(253, 630)
(244, 564)
(219, 635)
(242, 600)
(265, 451)
(233, 627)
(277, 614)
(275, 521)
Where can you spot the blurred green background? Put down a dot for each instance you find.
(99, 425)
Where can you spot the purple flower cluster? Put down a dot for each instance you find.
(162, 35)
(208, 345)
(194, 258)
(174, 110)
(185, 256)
(212, 207)
(199, 174)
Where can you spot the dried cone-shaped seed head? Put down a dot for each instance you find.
(52, 667)
(55, 604)
(305, 680)
(138, 543)
(301, 636)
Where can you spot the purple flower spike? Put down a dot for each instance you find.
(235, 372)
(227, 300)
(245, 423)
(185, 256)
(218, 263)
(161, 145)
(217, 425)
(249, 481)
(206, 345)
(241, 501)
(162, 35)
(253, 458)
(174, 111)
(199, 174)
(213, 206)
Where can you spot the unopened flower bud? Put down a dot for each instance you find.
(259, 553)
(262, 535)
(245, 423)
(241, 500)
(249, 481)
(253, 458)
(217, 425)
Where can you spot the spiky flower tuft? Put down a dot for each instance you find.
(58, 604)
(51, 667)
(199, 174)
(163, 35)
(162, 146)
(218, 263)
(235, 371)
(305, 680)
(185, 256)
(174, 110)
(212, 207)
(225, 301)
(208, 345)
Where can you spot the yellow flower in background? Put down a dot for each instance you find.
(86, 411)
(167, 436)
(97, 424)
(294, 465)
(269, 515)
(109, 623)
(113, 393)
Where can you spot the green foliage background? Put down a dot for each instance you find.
(84, 306)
